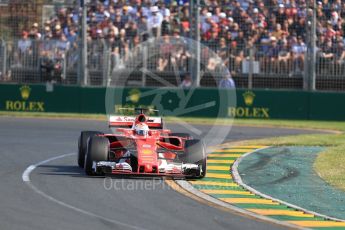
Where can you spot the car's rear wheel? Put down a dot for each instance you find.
(82, 145)
(98, 149)
(195, 153)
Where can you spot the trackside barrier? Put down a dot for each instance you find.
(263, 104)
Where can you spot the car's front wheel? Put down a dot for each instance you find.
(82, 145)
(98, 150)
(195, 153)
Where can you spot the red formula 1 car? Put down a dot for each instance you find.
(141, 147)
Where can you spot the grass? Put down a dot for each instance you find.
(54, 115)
(329, 164)
(304, 124)
(329, 140)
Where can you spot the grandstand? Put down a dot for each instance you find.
(271, 35)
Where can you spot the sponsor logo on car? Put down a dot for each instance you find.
(128, 119)
(147, 151)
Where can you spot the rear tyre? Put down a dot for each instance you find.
(82, 145)
(98, 148)
(195, 153)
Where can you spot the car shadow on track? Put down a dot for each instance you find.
(62, 170)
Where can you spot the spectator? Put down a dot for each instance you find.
(228, 27)
(24, 44)
(300, 27)
(340, 53)
(155, 20)
(277, 33)
(186, 82)
(166, 28)
(227, 82)
(142, 25)
(165, 51)
(248, 47)
(284, 57)
(62, 45)
(125, 17)
(34, 32)
(298, 51)
(72, 36)
(334, 18)
(326, 56)
(228, 38)
(131, 30)
(58, 31)
(235, 57)
(326, 6)
(213, 37)
(329, 32)
(216, 17)
(273, 54)
(206, 25)
(281, 15)
(223, 50)
(240, 40)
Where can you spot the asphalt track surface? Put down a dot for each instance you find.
(65, 198)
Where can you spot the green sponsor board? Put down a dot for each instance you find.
(327, 106)
(173, 101)
(268, 104)
(35, 98)
(265, 104)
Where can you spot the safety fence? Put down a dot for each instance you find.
(37, 61)
(275, 45)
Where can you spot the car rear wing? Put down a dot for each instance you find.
(128, 121)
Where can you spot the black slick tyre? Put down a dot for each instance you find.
(97, 150)
(82, 145)
(195, 153)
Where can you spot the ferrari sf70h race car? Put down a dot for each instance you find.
(141, 147)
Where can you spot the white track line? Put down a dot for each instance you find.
(26, 179)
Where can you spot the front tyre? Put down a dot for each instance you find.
(195, 153)
(98, 149)
(82, 145)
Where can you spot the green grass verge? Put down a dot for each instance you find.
(53, 115)
(305, 124)
(329, 164)
(329, 140)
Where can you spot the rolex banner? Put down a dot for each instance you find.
(202, 102)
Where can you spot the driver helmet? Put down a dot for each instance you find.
(141, 129)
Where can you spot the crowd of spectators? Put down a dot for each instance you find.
(274, 31)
